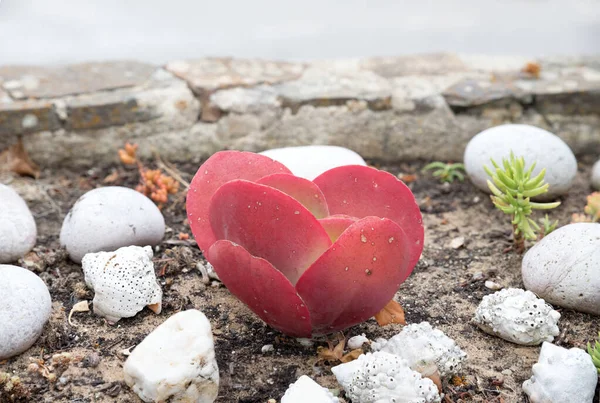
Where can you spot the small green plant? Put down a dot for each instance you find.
(512, 188)
(446, 172)
(595, 352)
(547, 226)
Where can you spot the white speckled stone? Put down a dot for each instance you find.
(530, 142)
(564, 267)
(311, 161)
(306, 390)
(25, 307)
(176, 362)
(18, 231)
(596, 175)
(108, 218)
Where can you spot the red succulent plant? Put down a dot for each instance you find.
(309, 258)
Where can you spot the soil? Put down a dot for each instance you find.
(443, 290)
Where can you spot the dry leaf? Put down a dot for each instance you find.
(533, 69)
(391, 313)
(81, 306)
(112, 178)
(335, 354)
(15, 159)
(407, 178)
(351, 356)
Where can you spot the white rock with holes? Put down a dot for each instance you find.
(108, 218)
(532, 143)
(563, 268)
(25, 307)
(384, 377)
(517, 316)
(311, 161)
(420, 344)
(562, 376)
(123, 281)
(176, 362)
(596, 175)
(306, 390)
(18, 231)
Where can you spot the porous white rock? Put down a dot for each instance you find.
(420, 344)
(532, 143)
(562, 376)
(562, 268)
(123, 281)
(517, 316)
(18, 231)
(176, 362)
(108, 218)
(596, 175)
(25, 307)
(384, 377)
(306, 390)
(311, 161)
(357, 341)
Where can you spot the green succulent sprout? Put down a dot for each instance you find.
(446, 172)
(512, 188)
(547, 225)
(595, 353)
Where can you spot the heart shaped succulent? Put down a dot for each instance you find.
(308, 257)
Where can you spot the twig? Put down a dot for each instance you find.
(170, 170)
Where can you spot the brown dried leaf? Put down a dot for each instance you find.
(331, 353)
(351, 356)
(15, 159)
(533, 69)
(391, 313)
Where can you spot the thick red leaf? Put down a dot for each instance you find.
(269, 224)
(217, 170)
(336, 224)
(361, 191)
(303, 190)
(259, 285)
(357, 276)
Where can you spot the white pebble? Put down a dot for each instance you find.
(306, 390)
(176, 362)
(596, 175)
(25, 307)
(18, 231)
(108, 218)
(357, 341)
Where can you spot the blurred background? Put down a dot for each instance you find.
(60, 31)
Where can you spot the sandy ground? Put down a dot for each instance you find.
(441, 290)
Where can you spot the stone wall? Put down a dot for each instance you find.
(392, 108)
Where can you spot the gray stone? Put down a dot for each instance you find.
(109, 218)
(18, 231)
(596, 175)
(26, 307)
(24, 117)
(51, 82)
(534, 144)
(562, 268)
(246, 100)
(426, 64)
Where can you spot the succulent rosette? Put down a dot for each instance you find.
(308, 257)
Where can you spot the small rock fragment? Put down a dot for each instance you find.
(421, 344)
(306, 390)
(492, 285)
(267, 348)
(25, 307)
(18, 231)
(176, 362)
(562, 376)
(357, 341)
(517, 316)
(123, 281)
(457, 242)
(383, 377)
(596, 175)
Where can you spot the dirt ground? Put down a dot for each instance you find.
(441, 290)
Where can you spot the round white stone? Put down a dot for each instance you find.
(564, 267)
(596, 175)
(18, 231)
(108, 218)
(25, 307)
(532, 143)
(311, 161)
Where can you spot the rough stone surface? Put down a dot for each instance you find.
(176, 362)
(311, 161)
(563, 267)
(562, 376)
(596, 175)
(307, 390)
(108, 218)
(535, 144)
(385, 108)
(123, 281)
(517, 316)
(26, 307)
(18, 231)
